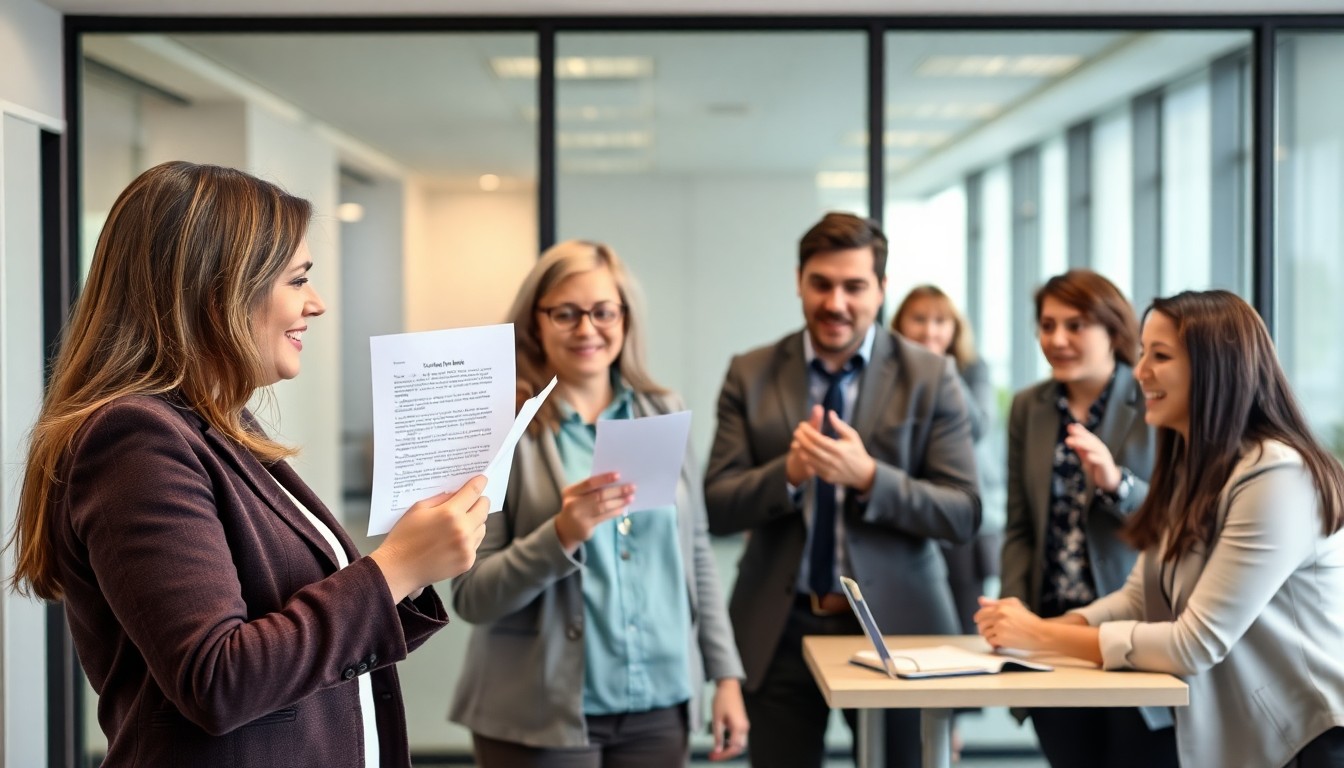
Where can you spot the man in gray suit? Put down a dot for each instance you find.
(843, 450)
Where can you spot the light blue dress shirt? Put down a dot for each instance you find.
(637, 613)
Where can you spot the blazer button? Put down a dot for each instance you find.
(574, 632)
(373, 659)
(363, 667)
(349, 673)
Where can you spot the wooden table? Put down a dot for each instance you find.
(1073, 683)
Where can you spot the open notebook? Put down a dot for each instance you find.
(928, 661)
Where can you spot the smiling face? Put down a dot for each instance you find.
(1079, 351)
(583, 352)
(927, 322)
(279, 323)
(1163, 374)
(841, 295)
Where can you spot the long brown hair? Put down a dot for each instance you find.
(559, 262)
(1099, 301)
(187, 253)
(1238, 394)
(962, 348)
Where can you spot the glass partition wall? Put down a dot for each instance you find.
(701, 153)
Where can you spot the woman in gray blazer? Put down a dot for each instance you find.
(597, 625)
(1079, 456)
(1240, 587)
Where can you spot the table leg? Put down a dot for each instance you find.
(935, 731)
(872, 738)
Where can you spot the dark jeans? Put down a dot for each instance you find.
(1113, 737)
(1324, 751)
(654, 739)
(789, 715)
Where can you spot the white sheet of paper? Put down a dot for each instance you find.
(497, 474)
(647, 452)
(442, 407)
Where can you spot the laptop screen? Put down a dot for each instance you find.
(865, 616)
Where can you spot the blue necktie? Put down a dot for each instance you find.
(821, 559)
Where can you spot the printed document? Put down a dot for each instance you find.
(443, 404)
(647, 452)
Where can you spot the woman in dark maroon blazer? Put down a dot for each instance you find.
(220, 612)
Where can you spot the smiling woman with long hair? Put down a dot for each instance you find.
(218, 609)
(1240, 587)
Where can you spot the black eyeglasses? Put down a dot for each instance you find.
(603, 314)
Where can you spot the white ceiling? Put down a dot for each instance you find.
(716, 102)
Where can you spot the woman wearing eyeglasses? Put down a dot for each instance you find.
(1079, 457)
(596, 626)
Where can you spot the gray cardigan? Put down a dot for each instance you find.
(1254, 624)
(522, 679)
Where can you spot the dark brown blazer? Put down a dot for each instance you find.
(209, 614)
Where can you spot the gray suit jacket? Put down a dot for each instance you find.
(913, 421)
(1254, 622)
(1033, 430)
(522, 680)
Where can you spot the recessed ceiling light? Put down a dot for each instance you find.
(998, 66)
(349, 212)
(576, 67)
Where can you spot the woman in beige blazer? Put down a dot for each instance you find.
(597, 625)
(1079, 455)
(1240, 587)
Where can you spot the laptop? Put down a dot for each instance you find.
(923, 663)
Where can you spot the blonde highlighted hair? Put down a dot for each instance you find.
(962, 348)
(560, 262)
(187, 254)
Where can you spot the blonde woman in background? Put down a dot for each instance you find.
(928, 317)
(596, 627)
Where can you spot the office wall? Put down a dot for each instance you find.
(716, 256)
(372, 287)
(308, 408)
(466, 253)
(30, 99)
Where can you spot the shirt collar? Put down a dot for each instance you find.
(864, 352)
(621, 399)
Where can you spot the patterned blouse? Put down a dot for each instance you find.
(1068, 581)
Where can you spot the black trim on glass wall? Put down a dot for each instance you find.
(1146, 175)
(1263, 94)
(877, 123)
(546, 124)
(65, 715)
(1262, 179)
(1078, 216)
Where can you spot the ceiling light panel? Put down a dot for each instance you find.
(901, 139)
(1052, 65)
(603, 139)
(576, 67)
(943, 111)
